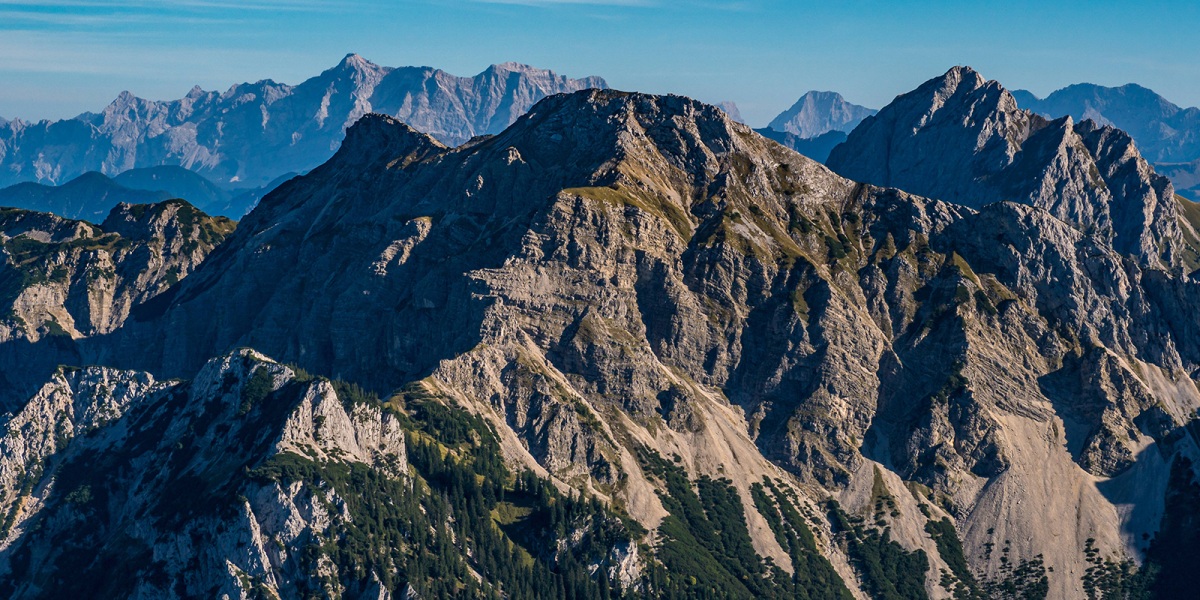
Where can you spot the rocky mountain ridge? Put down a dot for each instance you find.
(176, 517)
(650, 303)
(255, 132)
(964, 139)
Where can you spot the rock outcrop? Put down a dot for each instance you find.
(175, 483)
(74, 279)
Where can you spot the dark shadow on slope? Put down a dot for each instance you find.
(25, 366)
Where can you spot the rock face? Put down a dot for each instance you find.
(73, 279)
(651, 303)
(963, 139)
(816, 113)
(141, 488)
(618, 271)
(255, 132)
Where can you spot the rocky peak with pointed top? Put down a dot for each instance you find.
(364, 73)
(195, 93)
(355, 61)
(963, 139)
(125, 97)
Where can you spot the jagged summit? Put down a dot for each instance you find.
(517, 67)
(1165, 132)
(125, 97)
(364, 72)
(960, 74)
(961, 138)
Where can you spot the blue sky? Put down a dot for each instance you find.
(61, 57)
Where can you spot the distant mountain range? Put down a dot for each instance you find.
(255, 132)
(93, 195)
(88, 197)
(242, 143)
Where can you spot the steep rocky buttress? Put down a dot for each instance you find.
(72, 278)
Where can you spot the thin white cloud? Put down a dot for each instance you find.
(15, 19)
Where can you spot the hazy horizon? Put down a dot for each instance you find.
(60, 58)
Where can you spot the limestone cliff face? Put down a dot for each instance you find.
(71, 278)
(114, 483)
(618, 275)
(963, 139)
